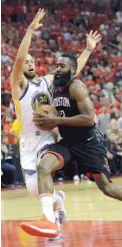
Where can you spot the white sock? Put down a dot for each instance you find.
(47, 206)
(54, 196)
(56, 215)
(60, 204)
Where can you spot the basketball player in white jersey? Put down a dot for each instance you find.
(29, 92)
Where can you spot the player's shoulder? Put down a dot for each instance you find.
(49, 78)
(77, 85)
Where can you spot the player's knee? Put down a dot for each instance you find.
(43, 168)
(107, 190)
(32, 186)
(48, 164)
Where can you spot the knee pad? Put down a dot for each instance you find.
(32, 185)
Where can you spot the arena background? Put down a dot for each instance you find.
(93, 219)
(65, 27)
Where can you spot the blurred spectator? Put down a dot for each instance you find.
(103, 120)
(7, 125)
(64, 29)
(114, 153)
(15, 130)
(119, 123)
(113, 127)
(119, 139)
(8, 178)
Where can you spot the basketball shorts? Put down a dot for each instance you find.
(32, 149)
(90, 153)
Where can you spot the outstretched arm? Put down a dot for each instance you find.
(92, 40)
(17, 75)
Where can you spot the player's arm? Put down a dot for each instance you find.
(49, 79)
(17, 74)
(85, 118)
(92, 40)
(79, 93)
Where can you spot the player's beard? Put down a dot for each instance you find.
(29, 76)
(61, 80)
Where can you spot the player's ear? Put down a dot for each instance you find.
(73, 70)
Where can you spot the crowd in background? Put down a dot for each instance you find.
(64, 29)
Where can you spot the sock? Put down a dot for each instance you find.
(54, 196)
(56, 216)
(47, 206)
(56, 213)
(60, 203)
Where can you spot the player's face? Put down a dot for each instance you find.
(29, 67)
(63, 72)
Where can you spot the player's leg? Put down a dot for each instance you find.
(93, 160)
(58, 200)
(60, 206)
(58, 196)
(108, 188)
(101, 171)
(32, 184)
(33, 187)
(32, 177)
(46, 227)
(98, 169)
(46, 166)
(28, 163)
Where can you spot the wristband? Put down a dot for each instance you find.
(88, 49)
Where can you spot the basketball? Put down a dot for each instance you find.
(43, 111)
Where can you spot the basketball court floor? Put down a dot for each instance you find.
(93, 220)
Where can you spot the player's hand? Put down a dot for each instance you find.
(93, 39)
(35, 24)
(46, 122)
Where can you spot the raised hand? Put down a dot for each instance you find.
(93, 39)
(35, 24)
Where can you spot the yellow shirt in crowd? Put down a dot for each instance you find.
(15, 127)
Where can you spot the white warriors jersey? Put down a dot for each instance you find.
(31, 138)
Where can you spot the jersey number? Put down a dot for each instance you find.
(43, 99)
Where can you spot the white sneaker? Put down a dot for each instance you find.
(76, 178)
(56, 238)
(60, 206)
(59, 235)
(83, 177)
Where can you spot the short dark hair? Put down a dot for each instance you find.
(72, 58)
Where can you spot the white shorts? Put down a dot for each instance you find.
(32, 149)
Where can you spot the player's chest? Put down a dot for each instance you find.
(38, 96)
(64, 104)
